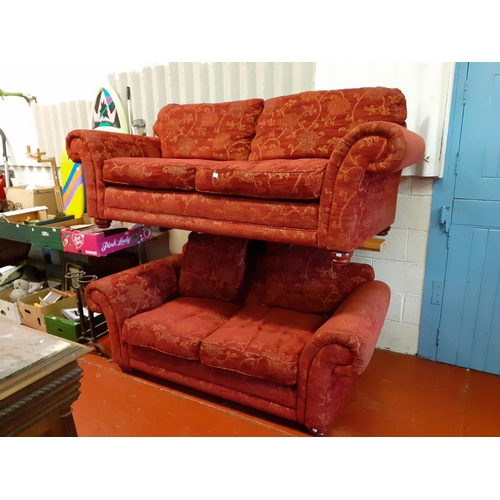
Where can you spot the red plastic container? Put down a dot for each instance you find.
(2, 185)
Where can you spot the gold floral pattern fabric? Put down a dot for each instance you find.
(275, 179)
(179, 326)
(306, 279)
(158, 206)
(282, 359)
(220, 131)
(261, 341)
(92, 147)
(270, 182)
(157, 173)
(123, 295)
(361, 183)
(310, 124)
(252, 391)
(213, 267)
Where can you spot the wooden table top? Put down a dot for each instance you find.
(27, 355)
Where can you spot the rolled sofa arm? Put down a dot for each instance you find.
(131, 292)
(360, 189)
(354, 328)
(340, 348)
(92, 147)
(378, 147)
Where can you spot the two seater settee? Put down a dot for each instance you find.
(316, 168)
(280, 328)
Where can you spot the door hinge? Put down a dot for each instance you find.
(457, 159)
(445, 218)
(437, 292)
(437, 337)
(466, 84)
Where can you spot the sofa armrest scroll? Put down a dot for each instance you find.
(130, 292)
(92, 147)
(105, 145)
(379, 147)
(339, 349)
(352, 332)
(360, 188)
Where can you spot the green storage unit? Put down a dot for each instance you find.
(45, 236)
(46, 233)
(14, 232)
(60, 326)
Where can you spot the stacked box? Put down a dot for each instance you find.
(33, 315)
(46, 235)
(57, 324)
(99, 242)
(9, 309)
(29, 198)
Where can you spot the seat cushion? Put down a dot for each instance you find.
(277, 179)
(160, 173)
(220, 131)
(262, 342)
(179, 326)
(310, 124)
(306, 279)
(213, 267)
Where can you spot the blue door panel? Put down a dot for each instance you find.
(454, 297)
(479, 161)
(465, 323)
(470, 305)
(493, 354)
(485, 335)
(469, 332)
(476, 213)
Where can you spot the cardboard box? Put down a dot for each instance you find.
(34, 316)
(29, 198)
(99, 242)
(47, 235)
(9, 309)
(26, 215)
(57, 324)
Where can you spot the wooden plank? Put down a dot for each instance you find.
(372, 244)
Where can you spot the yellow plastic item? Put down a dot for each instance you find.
(73, 186)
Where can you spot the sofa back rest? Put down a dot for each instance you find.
(213, 267)
(309, 124)
(306, 279)
(220, 131)
(303, 279)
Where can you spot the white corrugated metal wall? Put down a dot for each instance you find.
(189, 82)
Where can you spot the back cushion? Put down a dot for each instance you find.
(305, 279)
(309, 124)
(213, 267)
(221, 131)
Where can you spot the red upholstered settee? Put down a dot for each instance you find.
(317, 168)
(280, 328)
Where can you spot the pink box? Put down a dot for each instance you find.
(99, 242)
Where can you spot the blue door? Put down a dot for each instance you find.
(461, 300)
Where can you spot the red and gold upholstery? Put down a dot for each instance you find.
(221, 131)
(276, 327)
(310, 124)
(317, 168)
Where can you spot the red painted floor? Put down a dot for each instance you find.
(398, 395)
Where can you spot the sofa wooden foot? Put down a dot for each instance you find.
(315, 432)
(341, 257)
(102, 223)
